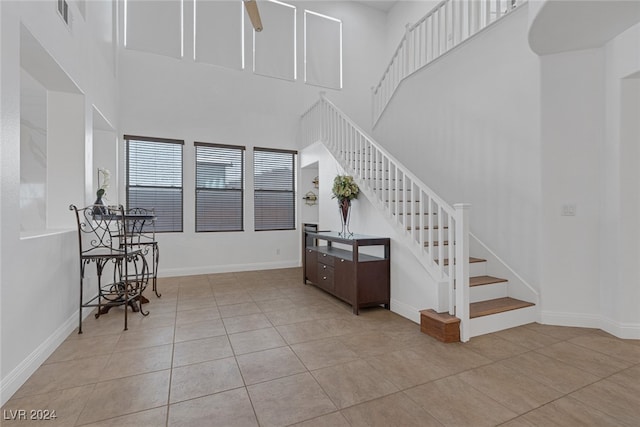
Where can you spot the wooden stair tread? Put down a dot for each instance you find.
(426, 227)
(485, 280)
(437, 243)
(498, 305)
(471, 260)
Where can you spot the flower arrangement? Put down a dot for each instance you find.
(344, 188)
(106, 178)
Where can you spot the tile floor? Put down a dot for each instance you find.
(260, 348)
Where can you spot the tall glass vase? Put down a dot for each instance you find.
(344, 207)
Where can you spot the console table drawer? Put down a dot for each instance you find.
(325, 277)
(325, 258)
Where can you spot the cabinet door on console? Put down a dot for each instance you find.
(311, 264)
(344, 280)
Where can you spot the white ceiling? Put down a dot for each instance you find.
(383, 5)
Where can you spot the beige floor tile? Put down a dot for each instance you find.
(197, 315)
(335, 419)
(295, 333)
(266, 294)
(150, 418)
(371, 343)
(452, 402)
(324, 353)
(493, 347)
(614, 399)
(280, 304)
(226, 409)
(560, 332)
(452, 357)
(61, 407)
(289, 316)
(629, 378)
(406, 368)
(73, 348)
(134, 339)
(620, 349)
(289, 400)
(261, 339)
(202, 350)
(364, 360)
(195, 303)
(394, 410)
(201, 379)
(516, 392)
(246, 323)
(527, 337)
(242, 309)
(568, 412)
(63, 375)
(269, 364)
(234, 297)
(551, 372)
(155, 319)
(353, 383)
(199, 330)
(138, 361)
(594, 362)
(124, 396)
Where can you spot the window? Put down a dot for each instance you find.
(219, 187)
(274, 189)
(322, 50)
(154, 179)
(274, 48)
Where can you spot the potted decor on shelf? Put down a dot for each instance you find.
(345, 189)
(99, 208)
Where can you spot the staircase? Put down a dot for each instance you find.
(430, 227)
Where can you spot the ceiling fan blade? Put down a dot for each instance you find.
(254, 14)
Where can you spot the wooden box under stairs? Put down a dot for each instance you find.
(441, 326)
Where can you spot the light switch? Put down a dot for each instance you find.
(569, 209)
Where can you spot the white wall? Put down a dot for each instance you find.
(39, 273)
(182, 99)
(572, 126)
(620, 186)
(468, 126)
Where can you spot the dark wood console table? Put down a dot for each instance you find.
(359, 279)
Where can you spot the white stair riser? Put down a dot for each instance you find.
(487, 292)
(477, 269)
(500, 321)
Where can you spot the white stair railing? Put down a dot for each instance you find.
(446, 26)
(436, 232)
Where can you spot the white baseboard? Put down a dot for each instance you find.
(21, 373)
(229, 268)
(405, 310)
(581, 320)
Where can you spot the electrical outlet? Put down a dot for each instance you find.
(569, 209)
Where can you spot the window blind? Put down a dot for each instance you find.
(274, 189)
(154, 179)
(219, 187)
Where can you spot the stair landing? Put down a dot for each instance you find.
(498, 305)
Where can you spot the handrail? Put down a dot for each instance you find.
(433, 229)
(446, 26)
